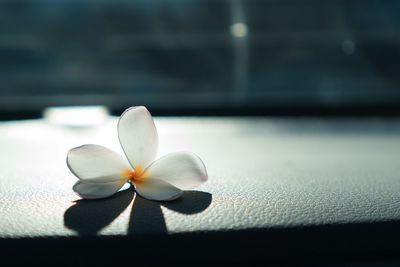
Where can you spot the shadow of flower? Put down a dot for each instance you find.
(191, 202)
(88, 217)
(147, 218)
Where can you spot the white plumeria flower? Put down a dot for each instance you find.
(102, 172)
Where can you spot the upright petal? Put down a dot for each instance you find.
(97, 190)
(155, 189)
(138, 136)
(96, 164)
(181, 169)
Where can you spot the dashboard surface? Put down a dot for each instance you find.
(290, 190)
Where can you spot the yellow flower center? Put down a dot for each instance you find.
(135, 175)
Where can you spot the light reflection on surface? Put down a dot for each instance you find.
(79, 116)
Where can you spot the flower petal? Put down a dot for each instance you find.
(155, 189)
(96, 164)
(97, 190)
(138, 137)
(181, 169)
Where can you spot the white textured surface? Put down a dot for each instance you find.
(262, 173)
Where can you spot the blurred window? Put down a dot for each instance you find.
(199, 53)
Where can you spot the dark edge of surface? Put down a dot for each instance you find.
(301, 111)
(374, 242)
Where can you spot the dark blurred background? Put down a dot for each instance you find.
(201, 56)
